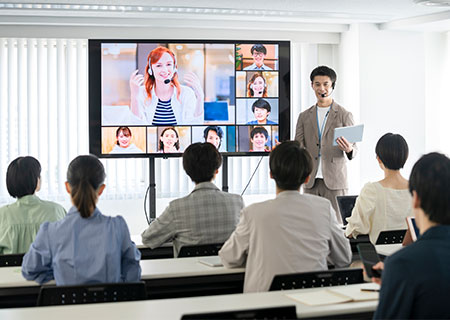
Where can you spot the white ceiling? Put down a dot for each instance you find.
(389, 14)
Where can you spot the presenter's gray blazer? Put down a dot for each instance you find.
(334, 168)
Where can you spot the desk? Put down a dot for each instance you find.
(163, 252)
(164, 278)
(173, 309)
(385, 250)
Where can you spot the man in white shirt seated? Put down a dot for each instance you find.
(292, 233)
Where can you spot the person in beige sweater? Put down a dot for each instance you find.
(385, 204)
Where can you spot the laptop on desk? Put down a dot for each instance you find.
(346, 204)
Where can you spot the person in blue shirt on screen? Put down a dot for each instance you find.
(258, 52)
(85, 246)
(261, 109)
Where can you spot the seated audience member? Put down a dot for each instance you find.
(207, 215)
(214, 135)
(416, 282)
(261, 109)
(20, 221)
(259, 137)
(259, 53)
(292, 233)
(86, 246)
(385, 204)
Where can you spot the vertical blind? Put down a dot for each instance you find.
(44, 113)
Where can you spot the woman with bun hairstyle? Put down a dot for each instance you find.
(86, 246)
(158, 98)
(256, 86)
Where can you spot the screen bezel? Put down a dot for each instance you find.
(95, 103)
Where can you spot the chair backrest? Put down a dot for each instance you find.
(11, 260)
(200, 250)
(288, 312)
(362, 238)
(91, 293)
(346, 204)
(391, 236)
(316, 279)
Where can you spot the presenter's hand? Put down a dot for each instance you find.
(344, 145)
(192, 80)
(136, 81)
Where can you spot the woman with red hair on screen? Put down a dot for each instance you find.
(158, 98)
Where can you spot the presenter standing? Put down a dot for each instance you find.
(315, 132)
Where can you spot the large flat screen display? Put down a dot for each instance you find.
(156, 97)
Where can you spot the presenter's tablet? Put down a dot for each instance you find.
(352, 133)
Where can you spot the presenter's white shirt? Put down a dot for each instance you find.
(292, 233)
(321, 112)
(379, 209)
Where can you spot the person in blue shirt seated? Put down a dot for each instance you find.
(415, 281)
(261, 109)
(259, 53)
(86, 246)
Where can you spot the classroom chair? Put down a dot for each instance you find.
(11, 260)
(275, 313)
(316, 279)
(91, 293)
(391, 236)
(200, 250)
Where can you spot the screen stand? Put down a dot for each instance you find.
(152, 185)
(225, 173)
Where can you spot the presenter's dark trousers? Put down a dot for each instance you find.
(321, 190)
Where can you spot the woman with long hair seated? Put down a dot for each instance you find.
(20, 221)
(385, 204)
(257, 86)
(86, 246)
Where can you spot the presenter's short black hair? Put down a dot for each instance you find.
(258, 48)
(392, 150)
(256, 130)
(262, 104)
(324, 71)
(22, 176)
(290, 165)
(430, 178)
(201, 160)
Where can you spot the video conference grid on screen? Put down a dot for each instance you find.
(158, 98)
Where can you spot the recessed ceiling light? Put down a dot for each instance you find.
(433, 3)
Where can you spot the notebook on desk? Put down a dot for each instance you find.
(213, 261)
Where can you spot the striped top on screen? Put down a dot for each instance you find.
(164, 114)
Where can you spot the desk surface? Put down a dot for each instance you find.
(151, 269)
(388, 249)
(169, 309)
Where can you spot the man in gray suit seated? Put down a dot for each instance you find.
(207, 215)
(292, 233)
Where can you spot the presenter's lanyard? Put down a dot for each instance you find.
(320, 129)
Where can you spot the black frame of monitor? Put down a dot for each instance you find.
(95, 101)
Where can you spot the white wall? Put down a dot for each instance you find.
(384, 76)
